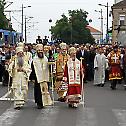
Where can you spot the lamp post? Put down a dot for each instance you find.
(107, 20)
(22, 24)
(101, 12)
(50, 21)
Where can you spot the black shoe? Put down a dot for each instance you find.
(39, 107)
(98, 85)
(17, 108)
(70, 105)
(113, 88)
(102, 85)
(61, 99)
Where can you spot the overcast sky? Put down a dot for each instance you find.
(43, 10)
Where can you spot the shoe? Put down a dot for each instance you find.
(75, 105)
(70, 105)
(113, 88)
(61, 99)
(102, 85)
(40, 106)
(98, 85)
(17, 108)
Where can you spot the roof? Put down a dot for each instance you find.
(120, 4)
(93, 29)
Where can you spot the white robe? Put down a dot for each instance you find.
(42, 74)
(19, 82)
(101, 63)
(41, 69)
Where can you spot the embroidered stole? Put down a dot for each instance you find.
(74, 71)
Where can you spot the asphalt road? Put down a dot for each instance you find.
(103, 107)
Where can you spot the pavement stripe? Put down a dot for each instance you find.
(121, 116)
(8, 118)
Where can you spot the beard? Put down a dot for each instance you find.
(20, 61)
(40, 55)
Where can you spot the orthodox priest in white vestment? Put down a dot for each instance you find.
(40, 74)
(100, 65)
(19, 70)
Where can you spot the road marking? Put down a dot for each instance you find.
(121, 116)
(8, 118)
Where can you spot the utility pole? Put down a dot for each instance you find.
(101, 25)
(25, 30)
(107, 21)
(22, 22)
(107, 39)
(101, 12)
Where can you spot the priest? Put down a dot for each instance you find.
(19, 70)
(73, 76)
(40, 76)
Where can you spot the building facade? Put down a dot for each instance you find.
(117, 1)
(97, 35)
(119, 22)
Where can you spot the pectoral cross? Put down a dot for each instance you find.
(115, 58)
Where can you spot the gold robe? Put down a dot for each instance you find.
(19, 82)
(60, 64)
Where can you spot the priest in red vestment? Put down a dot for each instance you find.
(73, 77)
(115, 74)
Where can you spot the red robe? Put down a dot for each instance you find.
(115, 65)
(73, 76)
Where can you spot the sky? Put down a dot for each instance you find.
(43, 10)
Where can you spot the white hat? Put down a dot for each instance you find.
(20, 44)
(39, 47)
(19, 49)
(63, 45)
(72, 50)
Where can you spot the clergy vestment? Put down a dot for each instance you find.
(115, 65)
(100, 64)
(60, 64)
(19, 82)
(40, 71)
(28, 57)
(73, 76)
(115, 68)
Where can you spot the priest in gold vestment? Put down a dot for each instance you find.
(61, 61)
(19, 70)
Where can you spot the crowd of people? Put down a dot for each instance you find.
(68, 67)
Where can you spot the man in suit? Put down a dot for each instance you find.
(84, 54)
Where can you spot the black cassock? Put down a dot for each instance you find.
(37, 89)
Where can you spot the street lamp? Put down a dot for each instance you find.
(107, 20)
(50, 21)
(22, 18)
(101, 12)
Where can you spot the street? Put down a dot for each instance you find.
(103, 107)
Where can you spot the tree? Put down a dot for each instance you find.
(73, 29)
(4, 22)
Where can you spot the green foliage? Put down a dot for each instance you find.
(4, 22)
(73, 29)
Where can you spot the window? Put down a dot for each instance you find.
(122, 19)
